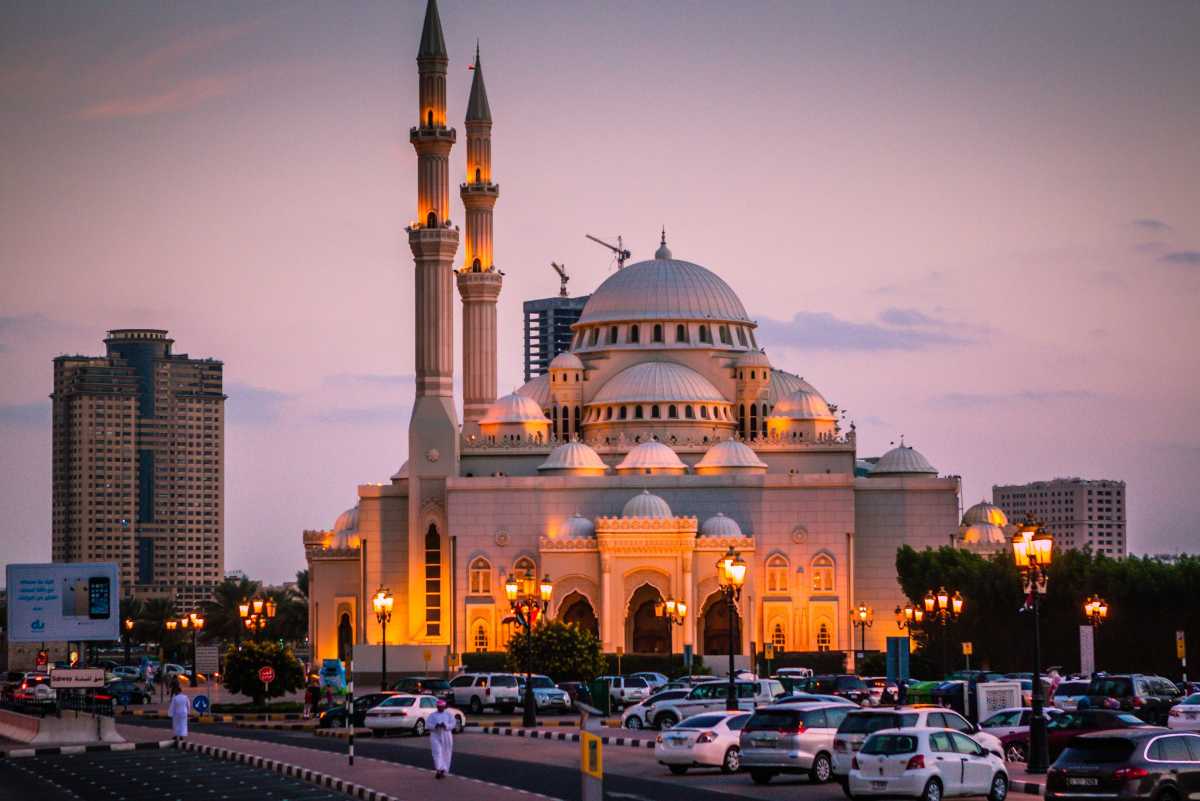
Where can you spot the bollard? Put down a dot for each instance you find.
(591, 754)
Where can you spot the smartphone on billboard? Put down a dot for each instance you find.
(99, 598)
(74, 596)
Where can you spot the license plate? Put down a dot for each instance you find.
(1190, 715)
(878, 785)
(678, 740)
(1082, 782)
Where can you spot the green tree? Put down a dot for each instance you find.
(222, 621)
(290, 623)
(242, 666)
(563, 652)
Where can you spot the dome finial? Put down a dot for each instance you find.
(663, 251)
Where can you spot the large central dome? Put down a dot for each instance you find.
(663, 289)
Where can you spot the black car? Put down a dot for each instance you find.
(852, 688)
(578, 691)
(125, 693)
(1149, 763)
(1148, 697)
(335, 716)
(424, 685)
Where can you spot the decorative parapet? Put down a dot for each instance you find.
(565, 545)
(724, 543)
(682, 524)
(619, 445)
(318, 544)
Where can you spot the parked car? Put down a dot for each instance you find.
(1148, 697)
(1127, 764)
(813, 698)
(335, 716)
(407, 713)
(424, 685)
(701, 741)
(626, 690)
(125, 692)
(480, 691)
(1186, 714)
(579, 692)
(849, 687)
(1063, 727)
(795, 738)
(926, 763)
(174, 671)
(882, 690)
(713, 697)
(126, 672)
(794, 673)
(1014, 720)
(654, 680)
(35, 687)
(641, 714)
(546, 694)
(861, 723)
(1068, 693)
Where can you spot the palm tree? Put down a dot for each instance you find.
(302, 584)
(131, 609)
(152, 625)
(291, 616)
(222, 621)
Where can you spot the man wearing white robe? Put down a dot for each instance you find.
(441, 738)
(178, 710)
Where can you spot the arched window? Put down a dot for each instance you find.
(429, 119)
(778, 638)
(479, 640)
(704, 335)
(654, 411)
(480, 581)
(824, 638)
(433, 583)
(524, 565)
(681, 333)
(595, 336)
(741, 418)
(577, 414)
(476, 266)
(608, 413)
(478, 178)
(763, 431)
(704, 412)
(635, 334)
(612, 335)
(723, 331)
(741, 336)
(753, 419)
(658, 332)
(689, 412)
(431, 220)
(777, 574)
(624, 413)
(565, 415)
(672, 412)
(822, 573)
(637, 413)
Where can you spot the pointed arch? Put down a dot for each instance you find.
(824, 573)
(480, 637)
(479, 580)
(433, 582)
(777, 573)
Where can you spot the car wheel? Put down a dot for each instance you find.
(460, 723)
(666, 720)
(678, 770)
(475, 705)
(419, 728)
(999, 790)
(932, 791)
(844, 783)
(633, 722)
(1167, 795)
(1015, 752)
(761, 776)
(732, 761)
(822, 769)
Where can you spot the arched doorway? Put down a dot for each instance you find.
(576, 610)
(645, 632)
(345, 637)
(715, 622)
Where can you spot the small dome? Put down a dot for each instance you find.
(651, 455)
(720, 526)
(402, 472)
(514, 408)
(575, 456)
(783, 384)
(903, 461)
(753, 358)
(983, 533)
(646, 505)
(576, 527)
(803, 404)
(658, 382)
(345, 530)
(730, 453)
(538, 390)
(985, 512)
(566, 361)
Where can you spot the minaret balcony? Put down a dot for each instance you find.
(480, 188)
(431, 134)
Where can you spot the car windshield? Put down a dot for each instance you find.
(1191, 700)
(1072, 688)
(1131, 720)
(543, 683)
(1097, 751)
(670, 695)
(773, 719)
(701, 722)
(890, 744)
(1114, 687)
(850, 683)
(399, 700)
(874, 721)
(440, 684)
(635, 681)
(504, 681)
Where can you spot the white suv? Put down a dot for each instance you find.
(626, 690)
(861, 723)
(479, 691)
(712, 696)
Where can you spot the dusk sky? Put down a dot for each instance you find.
(973, 224)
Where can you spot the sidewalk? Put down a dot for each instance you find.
(369, 778)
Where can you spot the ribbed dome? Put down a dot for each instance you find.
(651, 456)
(651, 382)
(345, 529)
(566, 361)
(984, 512)
(576, 527)
(983, 534)
(730, 453)
(574, 456)
(803, 404)
(646, 505)
(538, 390)
(902, 461)
(720, 526)
(783, 384)
(514, 408)
(663, 289)
(753, 358)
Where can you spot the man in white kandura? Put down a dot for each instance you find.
(441, 738)
(179, 710)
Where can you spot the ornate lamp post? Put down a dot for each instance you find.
(674, 611)
(382, 602)
(528, 600)
(909, 616)
(862, 618)
(256, 614)
(944, 607)
(731, 574)
(1096, 610)
(195, 622)
(1033, 550)
(127, 630)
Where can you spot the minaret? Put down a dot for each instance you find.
(478, 281)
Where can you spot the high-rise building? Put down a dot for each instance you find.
(1078, 512)
(548, 324)
(139, 465)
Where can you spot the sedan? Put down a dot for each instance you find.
(640, 715)
(1014, 720)
(126, 692)
(708, 740)
(929, 764)
(335, 716)
(1062, 728)
(1186, 714)
(812, 698)
(407, 713)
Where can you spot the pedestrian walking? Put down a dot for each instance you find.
(178, 710)
(441, 738)
(312, 699)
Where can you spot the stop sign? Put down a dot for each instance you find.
(266, 674)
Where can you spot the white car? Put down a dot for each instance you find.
(703, 741)
(656, 680)
(546, 694)
(480, 691)
(712, 697)
(924, 763)
(128, 672)
(1068, 694)
(1013, 720)
(1186, 714)
(641, 714)
(626, 690)
(401, 713)
(860, 723)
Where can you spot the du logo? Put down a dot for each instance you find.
(37, 625)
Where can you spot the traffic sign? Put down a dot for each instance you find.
(769, 651)
(200, 703)
(968, 649)
(266, 674)
(1180, 646)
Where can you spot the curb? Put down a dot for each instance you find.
(152, 745)
(224, 717)
(341, 732)
(608, 723)
(542, 734)
(1029, 788)
(273, 725)
(295, 771)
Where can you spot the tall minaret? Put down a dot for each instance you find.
(433, 433)
(478, 281)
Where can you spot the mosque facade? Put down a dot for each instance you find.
(665, 436)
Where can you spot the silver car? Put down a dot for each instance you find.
(794, 738)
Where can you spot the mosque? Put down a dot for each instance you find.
(662, 438)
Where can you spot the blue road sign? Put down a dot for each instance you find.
(200, 703)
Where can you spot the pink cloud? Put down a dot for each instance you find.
(185, 94)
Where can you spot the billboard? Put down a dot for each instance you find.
(63, 601)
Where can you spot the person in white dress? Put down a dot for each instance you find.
(179, 710)
(441, 738)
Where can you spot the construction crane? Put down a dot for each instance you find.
(563, 278)
(619, 249)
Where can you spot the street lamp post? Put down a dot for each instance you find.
(862, 618)
(1096, 610)
(128, 632)
(256, 614)
(1033, 550)
(945, 608)
(382, 602)
(909, 616)
(528, 600)
(731, 574)
(195, 622)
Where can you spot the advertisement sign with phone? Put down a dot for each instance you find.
(75, 602)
